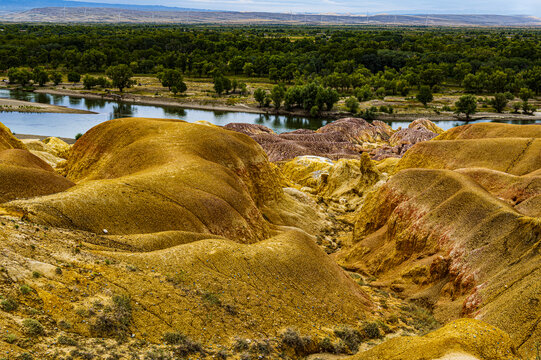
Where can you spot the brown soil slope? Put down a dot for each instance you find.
(463, 242)
(491, 130)
(23, 175)
(143, 176)
(516, 156)
(7, 140)
(137, 175)
(462, 339)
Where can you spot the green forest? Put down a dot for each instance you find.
(361, 62)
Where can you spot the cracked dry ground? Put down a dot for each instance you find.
(182, 241)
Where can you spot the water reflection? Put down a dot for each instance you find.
(174, 111)
(68, 125)
(74, 101)
(42, 98)
(220, 114)
(58, 99)
(94, 104)
(122, 110)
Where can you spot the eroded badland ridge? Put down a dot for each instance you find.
(161, 239)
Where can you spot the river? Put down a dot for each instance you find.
(69, 125)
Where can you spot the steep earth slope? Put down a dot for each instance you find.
(137, 176)
(22, 174)
(241, 266)
(456, 228)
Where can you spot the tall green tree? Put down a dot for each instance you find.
(56, 77)
(173, 80)
(19, 76)
(259, 96)
(74, 77)
(121, 76)
(499, 102)
(352, 104)
(467, 105)
(425, 95)
(277, 95)
(40, 76)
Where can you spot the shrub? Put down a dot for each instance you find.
(241, 345)
(25, 289)
(326, 346)
(351, 337)
(32, 327)
(369, 114)
(262, 347)
(157, 355)
(352, 104)
(187, 347)
(36, 275)
(371, 330)
(115, 319)
(173, 338)
(9, 304)
(78, 136)
(222, 354)
(292, 340)
(63, 324)
(11, 338)
(25, 356)
(211, 298)
(66, 340)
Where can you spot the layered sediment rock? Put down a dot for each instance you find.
(456, 227)
(341, 139)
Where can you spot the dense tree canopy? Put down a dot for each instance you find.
(389, 60)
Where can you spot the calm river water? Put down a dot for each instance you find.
(68, 125)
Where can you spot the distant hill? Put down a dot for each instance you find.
(17, 5)
(89, 13)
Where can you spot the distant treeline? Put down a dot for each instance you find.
(390, 60)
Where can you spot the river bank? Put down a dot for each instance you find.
(331, 115)
(12, 105)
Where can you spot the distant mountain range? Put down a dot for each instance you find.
(18, 5)
(59, 11)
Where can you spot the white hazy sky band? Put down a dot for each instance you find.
(501, 7)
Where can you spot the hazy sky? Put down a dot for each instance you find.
(504, 7)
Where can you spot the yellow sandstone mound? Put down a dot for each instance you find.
(427, 124)
(7, 140)
(516, 156)
(440, 238)
(491, 130)
(23, 175)
(513, 189)
(514, 149)
(251, 290)
(54, 152)
(139, 176)
(343, 181)
(463, 339)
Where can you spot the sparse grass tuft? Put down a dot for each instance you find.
(351, 337)
(25, 289)
(371, 330)
(9, 304)
(11, 338)
(32, 327)
(66, 340)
